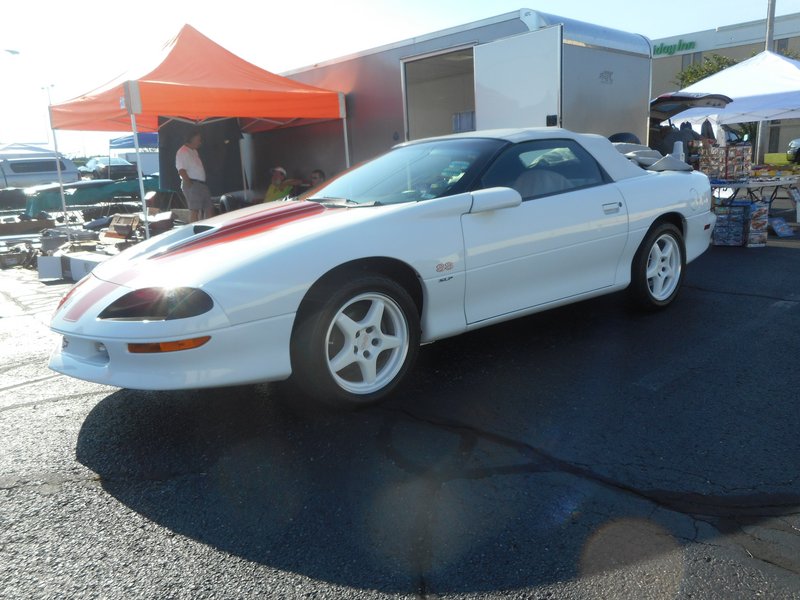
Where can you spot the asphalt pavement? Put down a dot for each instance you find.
(587, 452)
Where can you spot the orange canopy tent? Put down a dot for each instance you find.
(195, 79)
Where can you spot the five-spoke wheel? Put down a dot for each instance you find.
(355, 347)
(657, 269)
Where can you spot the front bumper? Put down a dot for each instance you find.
(248, 353)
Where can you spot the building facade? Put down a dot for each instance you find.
(741, 41)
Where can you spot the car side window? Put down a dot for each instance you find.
(543, 168)
(34, 166)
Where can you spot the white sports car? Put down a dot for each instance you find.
(340, 287)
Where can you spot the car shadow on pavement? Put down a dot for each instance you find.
(563, 445)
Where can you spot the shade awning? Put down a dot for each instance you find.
(145, 140)
(763, 88)
(196, 79)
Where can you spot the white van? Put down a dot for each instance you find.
(20, 172)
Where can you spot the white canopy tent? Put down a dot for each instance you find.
(763, 88)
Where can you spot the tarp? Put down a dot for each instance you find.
(763, 88)
(85, 193)
(23, 151)
(146, 140)
(195, 79)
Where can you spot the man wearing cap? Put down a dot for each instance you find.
(279, 186)
(193, 178)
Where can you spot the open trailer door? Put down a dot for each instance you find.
(438, 92)
(518, 80)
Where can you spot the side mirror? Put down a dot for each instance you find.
(494, 199)
(746, 137)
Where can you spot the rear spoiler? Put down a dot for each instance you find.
(652, 160)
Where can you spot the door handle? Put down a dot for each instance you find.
(612, 207)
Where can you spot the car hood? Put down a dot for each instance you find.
(198, 253)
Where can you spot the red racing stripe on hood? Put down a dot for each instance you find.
(250, 225)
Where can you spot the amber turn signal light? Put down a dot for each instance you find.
(153, 347)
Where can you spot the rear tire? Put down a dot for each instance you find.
(657, 268)
(355, 342)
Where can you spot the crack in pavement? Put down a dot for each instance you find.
(29, 382)
(49, 481)
(22, 363)
(53, 400)
(741, 294)
(751, 505)
(725, 514)
(55, 480)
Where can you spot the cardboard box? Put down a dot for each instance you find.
(25, 227)
(757, 224)
(728, 163)
(49, 267)
(81, 263)
(742, 223)
(12, 259)
(730, 227)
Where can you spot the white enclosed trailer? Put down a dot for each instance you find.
(519, 69)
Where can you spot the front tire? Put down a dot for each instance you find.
(354, 343)
(657, 269)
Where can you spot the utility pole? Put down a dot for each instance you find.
(769, 46)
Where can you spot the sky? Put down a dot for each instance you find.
(65, 49)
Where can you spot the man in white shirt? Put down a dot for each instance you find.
(193, 179)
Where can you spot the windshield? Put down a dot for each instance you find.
(412, 173)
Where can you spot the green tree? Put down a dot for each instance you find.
(714, 63)
(708, 66)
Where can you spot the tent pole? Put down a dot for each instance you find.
(58, 162)
(139, 173)
(346, 143)
(61, 185)
(245, 181)
(343, 115)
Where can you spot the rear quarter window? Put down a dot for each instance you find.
(34, 166)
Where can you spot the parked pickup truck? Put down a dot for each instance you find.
(28, 171)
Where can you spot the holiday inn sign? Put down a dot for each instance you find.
(670, 49)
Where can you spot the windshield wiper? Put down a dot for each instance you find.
(340, 202)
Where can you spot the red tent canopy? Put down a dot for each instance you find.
(196, 79)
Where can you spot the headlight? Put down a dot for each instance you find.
(159, 304)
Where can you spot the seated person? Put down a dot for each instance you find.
(317, 177)
(279, 186)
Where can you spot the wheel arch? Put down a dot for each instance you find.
(399, 271)
(673, 218)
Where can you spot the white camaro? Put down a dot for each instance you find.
(340, 287)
